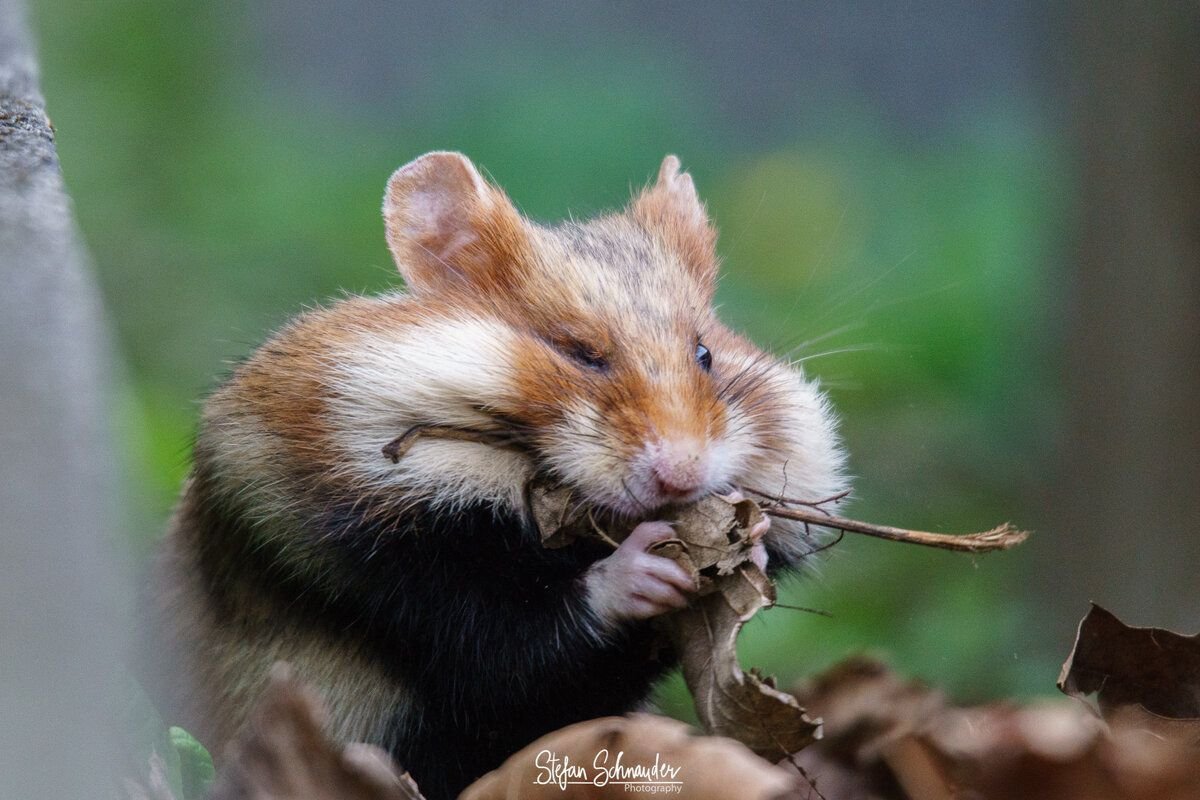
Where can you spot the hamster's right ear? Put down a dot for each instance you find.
(447, 227)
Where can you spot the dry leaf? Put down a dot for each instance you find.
(869, 717)
(284, 754)
(560, 517)
(712, 536)
(712, 543)
(887, 739)
(865, 706)
(730, 702)
(1143, 678)
(1058, 752)
(580, 761)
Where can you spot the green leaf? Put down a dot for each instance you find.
(195, 766)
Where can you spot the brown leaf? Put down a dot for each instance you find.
(284, 754)
(865, 706)
(730, 702)
(869, 717)
(1143, 678)
(712, 543)
(1057, 752)
(888, 739)
(1136, 719)
(828, 778)
(560, 517)
(577, 762)
(714, 533)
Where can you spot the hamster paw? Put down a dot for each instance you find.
(632, 584)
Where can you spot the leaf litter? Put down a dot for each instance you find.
(856, 732)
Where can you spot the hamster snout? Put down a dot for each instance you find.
(679, 467)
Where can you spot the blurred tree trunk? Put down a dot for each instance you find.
(59, 589)
(1126, 531)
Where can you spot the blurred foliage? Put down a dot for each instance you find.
(909, 275)
(190, 766)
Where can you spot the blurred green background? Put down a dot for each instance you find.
(892, 190)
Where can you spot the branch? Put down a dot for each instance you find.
(1002, 537)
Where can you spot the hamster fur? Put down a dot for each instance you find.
(415, 595)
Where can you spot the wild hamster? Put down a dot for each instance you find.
(414, 593)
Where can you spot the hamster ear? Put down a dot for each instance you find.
(447, 226)
(672, 209)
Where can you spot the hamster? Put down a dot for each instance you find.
(414, 593)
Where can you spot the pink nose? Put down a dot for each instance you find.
(678, 468)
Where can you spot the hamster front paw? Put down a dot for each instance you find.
(632, 584)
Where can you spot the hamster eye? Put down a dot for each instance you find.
(703, 357)
(587, 356)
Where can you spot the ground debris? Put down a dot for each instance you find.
(285, 754)
(604, 758)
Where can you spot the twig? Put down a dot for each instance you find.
(396, 448)
(832, 543)
(604, 537)
(1002, 537)
(814, 513)
(780, 500)
(809, 779)
(816, 611)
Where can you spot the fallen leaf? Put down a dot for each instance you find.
(579, 762)
(1143, 678)
(890, 739)
(560, 517)
(1058, 752)
(713, 534)
(712, 543)
(865, 706)
(868, 752)
(284, 754)
(731, 702)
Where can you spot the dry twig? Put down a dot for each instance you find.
(1002, 537)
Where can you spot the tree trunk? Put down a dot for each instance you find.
(60, 592)
(1127, 514)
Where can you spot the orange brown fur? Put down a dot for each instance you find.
(579, 342)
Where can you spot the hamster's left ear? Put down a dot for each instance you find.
(672, 209)
(447, 227)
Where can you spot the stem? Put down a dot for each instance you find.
(1002, 537)
(398, 447)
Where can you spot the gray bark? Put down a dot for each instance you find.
(60, 588)
(1127, 508)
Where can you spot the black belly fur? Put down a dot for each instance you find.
(487, 629)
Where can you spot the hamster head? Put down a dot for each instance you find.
(595, 343)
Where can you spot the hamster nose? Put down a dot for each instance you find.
(678, 468)
(670, 487)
